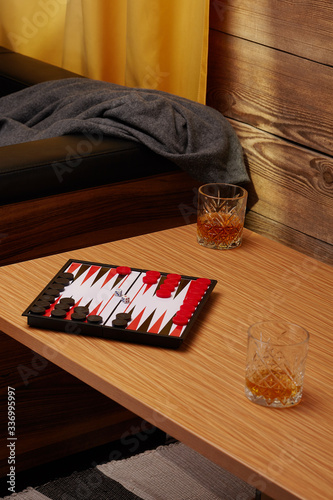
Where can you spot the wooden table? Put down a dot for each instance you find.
(196, 393)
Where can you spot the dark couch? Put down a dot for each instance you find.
(66, 192)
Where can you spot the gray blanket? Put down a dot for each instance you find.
(197, 138)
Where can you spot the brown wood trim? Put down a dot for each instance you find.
(40, 227)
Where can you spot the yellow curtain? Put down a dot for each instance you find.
(160, 44)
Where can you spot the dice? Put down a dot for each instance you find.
(118, 292)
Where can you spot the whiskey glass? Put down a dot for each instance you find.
(275, 365)
(220, 215)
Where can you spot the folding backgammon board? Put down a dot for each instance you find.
(119, 302)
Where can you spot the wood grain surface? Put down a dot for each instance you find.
(196, 393)
(288, 236)
(270, 73)
(290, 184)
(271, 90)
(44, 226)
(300, 27)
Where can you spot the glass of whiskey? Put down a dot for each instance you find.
(220, 215)
(275, 364)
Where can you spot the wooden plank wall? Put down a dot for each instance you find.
(271, 74)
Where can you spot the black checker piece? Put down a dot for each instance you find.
(119, 323)
(78, 316)
(81, 309)
(95, 319)
(64, 306)
(58, 313)
(67, 300)
(37, 310)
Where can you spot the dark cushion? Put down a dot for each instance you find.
(18, 72)
(69, 163)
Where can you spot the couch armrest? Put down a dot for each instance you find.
(69, 163)
(18, 72)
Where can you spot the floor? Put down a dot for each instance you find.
(116, 450)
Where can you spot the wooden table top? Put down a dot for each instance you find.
(196, 393)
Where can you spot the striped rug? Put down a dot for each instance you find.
(170, 472)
